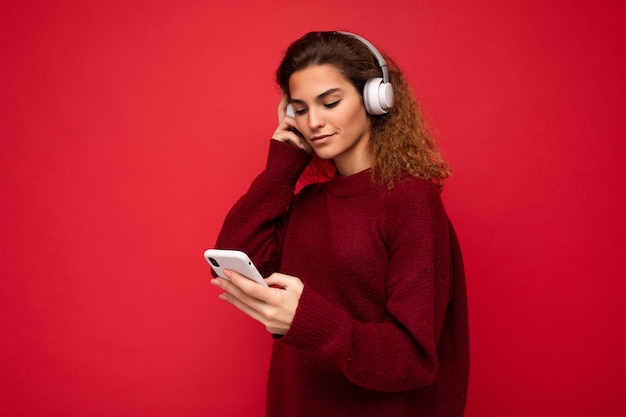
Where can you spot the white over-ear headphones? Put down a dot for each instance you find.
(377, 92)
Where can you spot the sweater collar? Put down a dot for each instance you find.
(350, 185)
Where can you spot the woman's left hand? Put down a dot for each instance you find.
(274, 306)
(287, 130)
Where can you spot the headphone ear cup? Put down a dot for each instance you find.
(377, 96)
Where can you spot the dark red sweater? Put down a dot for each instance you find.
(381, 327)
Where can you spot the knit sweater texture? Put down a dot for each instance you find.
(381, 327)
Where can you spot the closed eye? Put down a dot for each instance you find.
(327, 105)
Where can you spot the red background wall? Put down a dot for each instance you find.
(129, 128)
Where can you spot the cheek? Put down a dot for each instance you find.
(357, 119)
(301, 124)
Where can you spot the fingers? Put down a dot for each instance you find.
(284, 281)
(243, 288)
(236, 296)
(287, 130)
(282, 108)
(306, 146)
(289, 136)
(273, 307)
(245, 307)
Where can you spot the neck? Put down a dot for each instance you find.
(345, 168)
(355, 160)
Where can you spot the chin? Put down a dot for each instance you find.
(325, 155)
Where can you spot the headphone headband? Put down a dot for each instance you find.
(379, 57)
(377, 92)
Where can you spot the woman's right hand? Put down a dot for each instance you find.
(274, 306)
(287, 130)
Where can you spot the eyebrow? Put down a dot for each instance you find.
(320, 96)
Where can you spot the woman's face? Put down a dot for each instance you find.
(330, 114)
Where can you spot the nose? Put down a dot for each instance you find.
(315, 119)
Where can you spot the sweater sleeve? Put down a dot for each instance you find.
(255, 224)
(400, 352)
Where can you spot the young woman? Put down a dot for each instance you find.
(366, 299)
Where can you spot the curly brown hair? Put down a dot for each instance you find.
(400, 140)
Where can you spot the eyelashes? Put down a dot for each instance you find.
(327, 105)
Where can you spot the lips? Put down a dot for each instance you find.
(320, 139)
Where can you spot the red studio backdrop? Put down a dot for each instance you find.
(128, 129)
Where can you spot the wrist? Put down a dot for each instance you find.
(286, 160)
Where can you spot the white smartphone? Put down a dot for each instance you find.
(238, 261)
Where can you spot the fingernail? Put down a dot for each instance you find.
(223, 296)
(215, 282)
(228, 273)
